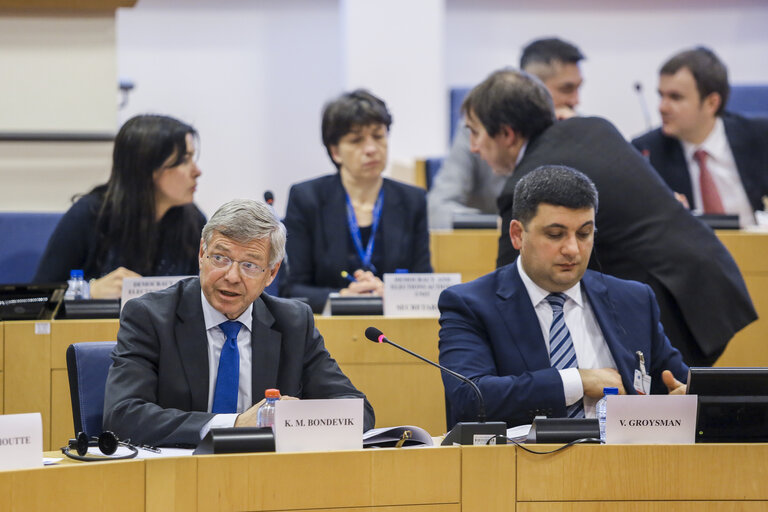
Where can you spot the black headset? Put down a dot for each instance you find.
(107, 443)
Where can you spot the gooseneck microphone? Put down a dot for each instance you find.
(463, 432)
(643, 106)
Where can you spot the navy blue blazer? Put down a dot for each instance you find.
(319, 241)
(490, 333)
(748, 139)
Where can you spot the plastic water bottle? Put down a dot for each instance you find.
(266, 415)
(601, 410)
(77, 287)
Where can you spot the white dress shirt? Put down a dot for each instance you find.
(216, 340)
(725, 174)
(588, 342)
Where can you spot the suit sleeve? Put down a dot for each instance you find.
(322, 377)
(664, 356)
(466, 348)
(452, 184)
(299, 223)
(421, 255)
(131, 407)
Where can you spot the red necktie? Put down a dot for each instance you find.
(710, 197)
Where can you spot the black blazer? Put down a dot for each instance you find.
(319, 241)
(157, 387)
(643, 232)
(748, 139)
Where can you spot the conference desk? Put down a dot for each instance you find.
(472, 253)
(402, 389)
(631, 478)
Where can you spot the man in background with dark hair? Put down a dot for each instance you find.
(465, 183)
(645, 233)
(544, 335)
(716, 159)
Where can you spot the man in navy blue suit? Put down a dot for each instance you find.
(505, 330)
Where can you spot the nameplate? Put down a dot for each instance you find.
(319, 425)
(21, 441)
(415, 294)
(134, 287)
(651, 419)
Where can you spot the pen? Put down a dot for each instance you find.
(349, 277)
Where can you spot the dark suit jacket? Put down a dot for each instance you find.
(157, 388)
(490, 333)
(748, 139)
(643, 232)
(319, 240)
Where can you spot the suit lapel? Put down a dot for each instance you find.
(610, 325)
(739, 142)
(265, 351)
(514, 306)
(333, 204)
(192, 344)
(392, 225)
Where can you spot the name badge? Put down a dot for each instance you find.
(651, 419)
(642, 383)
(319, 425)
(21, 441)
(415, 294)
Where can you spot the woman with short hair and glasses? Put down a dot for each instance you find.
(346, 230)
(142, 221)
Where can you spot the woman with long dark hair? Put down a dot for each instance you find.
(142, 221)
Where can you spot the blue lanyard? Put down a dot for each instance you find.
(354, 230)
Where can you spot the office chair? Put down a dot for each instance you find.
(26, 235)
(87, 367)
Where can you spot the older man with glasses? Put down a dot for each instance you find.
(201, 353)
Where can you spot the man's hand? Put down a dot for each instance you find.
(674, 386)
(595, 380)
(249, 418)
(111, 285)
(683, 200)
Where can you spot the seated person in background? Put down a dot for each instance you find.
(465, 183)
(645, 234)
(142, 221)
(199, 354)
(544, 335)
(716, 159)
(354, 221)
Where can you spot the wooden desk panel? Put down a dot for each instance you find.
(470, 252)
(117, 486)
(645, 506)
(708, 472)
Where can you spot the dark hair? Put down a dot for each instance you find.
(707, 69)
(549, 51)
(513, 98)
(557, 185)
(126, 223)
(348, 111)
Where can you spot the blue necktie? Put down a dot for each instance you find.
(228, 377)
(561, 352)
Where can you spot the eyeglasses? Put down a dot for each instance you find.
(247, 269)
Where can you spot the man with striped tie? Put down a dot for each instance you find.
(544, 335)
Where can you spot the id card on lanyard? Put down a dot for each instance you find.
(354, 230)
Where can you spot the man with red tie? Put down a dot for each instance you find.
(716, 159)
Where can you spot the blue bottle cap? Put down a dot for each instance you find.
(610, 391)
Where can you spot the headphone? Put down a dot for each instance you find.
(107, 443)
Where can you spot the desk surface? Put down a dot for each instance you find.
(495, 478)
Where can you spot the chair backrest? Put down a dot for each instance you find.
(748, 100)
(25, 235)
(432, 167)
(87, 368)
(456, 98)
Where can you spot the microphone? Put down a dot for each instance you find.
(479, 432)
(269, 198)
(643, 105)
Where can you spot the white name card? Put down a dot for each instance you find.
(651, 419)
(319, 425)
(21, 441)
(134, 287)
(415, 294)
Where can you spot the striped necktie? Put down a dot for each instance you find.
(228, 376)
(561, 352)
